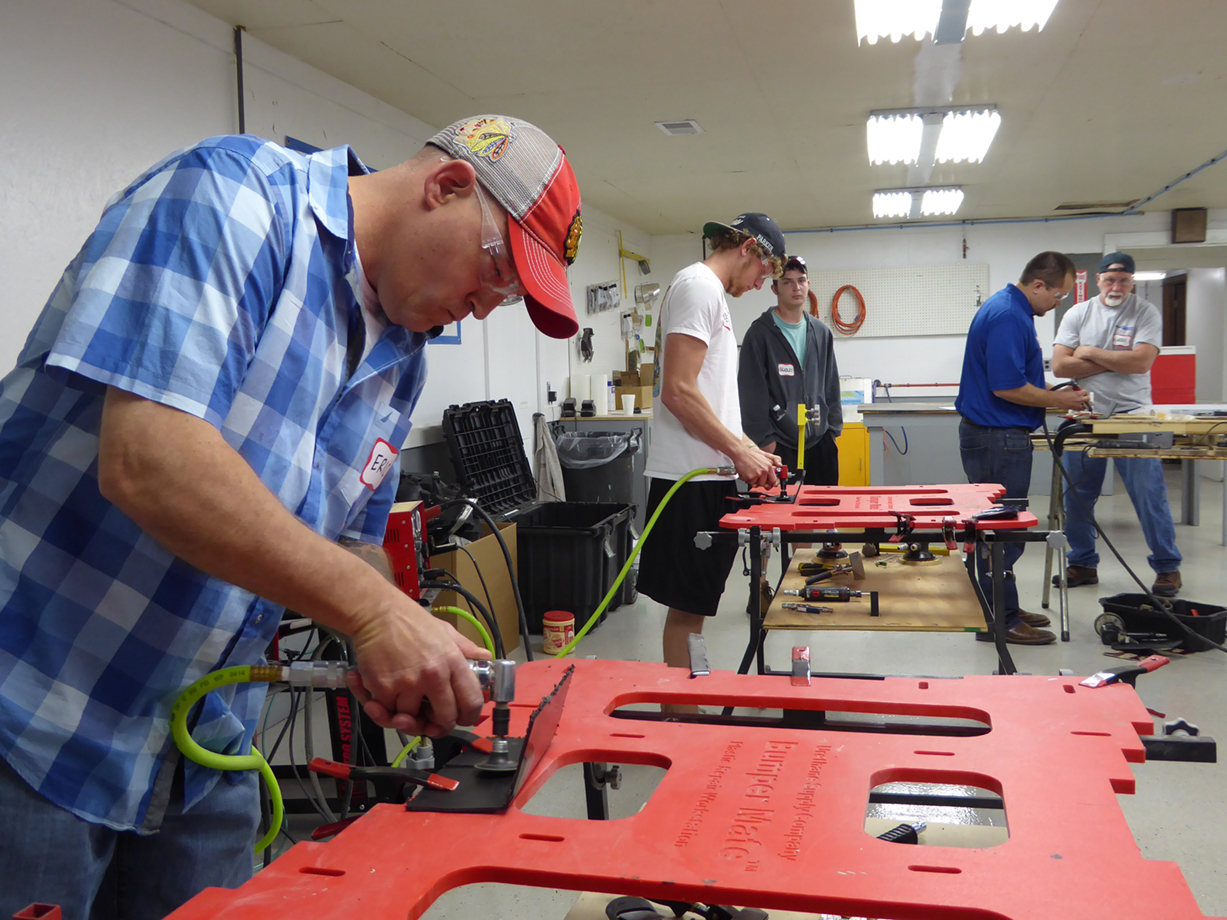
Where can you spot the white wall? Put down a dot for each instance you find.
(1005, 247)
(93, 93)
(1205, 300)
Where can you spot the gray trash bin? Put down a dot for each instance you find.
(598, 466)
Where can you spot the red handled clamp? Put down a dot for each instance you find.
(905, 524)
(948, 526)
(1128, 673)
(389, 782)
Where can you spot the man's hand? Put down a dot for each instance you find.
(185, 486)
(1071, 399)
(756, 467)
(413, 672)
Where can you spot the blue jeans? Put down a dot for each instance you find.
(1002, 456)
(51, 856)
(1143, 479)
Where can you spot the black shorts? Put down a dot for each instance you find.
(821, 461)
(672, 570)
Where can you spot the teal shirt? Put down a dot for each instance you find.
(795, 333)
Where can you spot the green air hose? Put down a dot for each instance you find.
(596, 614)
(253, 761)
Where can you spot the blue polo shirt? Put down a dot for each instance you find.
(1002, 353)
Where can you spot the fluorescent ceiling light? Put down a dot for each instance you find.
(898, 136)
(1005, 14)
(941, 201)
(894, 138)
(879, 18)
(967, 135)
(919, 18)
(892, 204)
(1149, 276)
(916, 202)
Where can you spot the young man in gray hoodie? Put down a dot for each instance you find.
(788, 358)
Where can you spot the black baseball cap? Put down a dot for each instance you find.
(1122, 259)
(796, 263)
(757, 225)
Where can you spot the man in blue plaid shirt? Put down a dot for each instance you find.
(205, 418)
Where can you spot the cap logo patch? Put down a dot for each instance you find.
(488, 138)
(571, 249)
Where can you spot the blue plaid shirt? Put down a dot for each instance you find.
(222, 282)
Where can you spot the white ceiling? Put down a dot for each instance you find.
(1111, 102)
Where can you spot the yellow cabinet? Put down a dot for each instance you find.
(853, 444)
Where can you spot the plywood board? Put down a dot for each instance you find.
(936, 597)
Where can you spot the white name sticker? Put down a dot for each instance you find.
(1122, 340)
(378, 464)
(787, 370)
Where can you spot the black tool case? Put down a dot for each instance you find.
(1139, 615)
(570, 553)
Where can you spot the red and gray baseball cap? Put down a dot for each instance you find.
(529, 174)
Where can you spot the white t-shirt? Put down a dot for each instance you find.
(694, 305)
(1135, 322)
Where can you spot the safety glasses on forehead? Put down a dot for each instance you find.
(498, 272)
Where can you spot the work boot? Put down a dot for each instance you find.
(1166, 584)
(1034, 619)
(1076, 575)
(1022, 634)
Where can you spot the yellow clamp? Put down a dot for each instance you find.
(802, 421)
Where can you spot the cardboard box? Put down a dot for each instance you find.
(489, 558)
(643, 396)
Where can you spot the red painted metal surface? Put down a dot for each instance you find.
(774, 817)
(863, 507)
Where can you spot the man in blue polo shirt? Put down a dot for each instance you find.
(1002, 398)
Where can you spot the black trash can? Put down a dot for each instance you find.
(570, 554)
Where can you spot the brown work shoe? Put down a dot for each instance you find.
(1022, 634)
(1077, 575)
(1034, 619)
(1166, 584)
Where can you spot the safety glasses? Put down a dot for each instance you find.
(498, 273)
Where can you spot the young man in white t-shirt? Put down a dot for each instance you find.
(697, 424)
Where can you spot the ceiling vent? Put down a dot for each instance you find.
(678, 128)
(1096, 205)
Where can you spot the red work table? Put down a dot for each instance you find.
(773, 817)
(934, 513)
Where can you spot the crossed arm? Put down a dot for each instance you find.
(178, 479)
(1087, 360)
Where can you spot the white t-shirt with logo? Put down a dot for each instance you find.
(1135, 322)
(694, 305)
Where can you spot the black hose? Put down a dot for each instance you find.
(1158, 603)
(511, 569)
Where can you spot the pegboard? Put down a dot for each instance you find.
(907, 300)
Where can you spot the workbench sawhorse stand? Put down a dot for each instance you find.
(773, 817)
(831, 514)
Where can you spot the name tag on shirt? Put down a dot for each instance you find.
(378, 464)
(786, 370)
(1122, 340)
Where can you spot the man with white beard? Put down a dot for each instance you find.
(1108, 344)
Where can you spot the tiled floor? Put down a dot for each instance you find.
(1178, 812)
